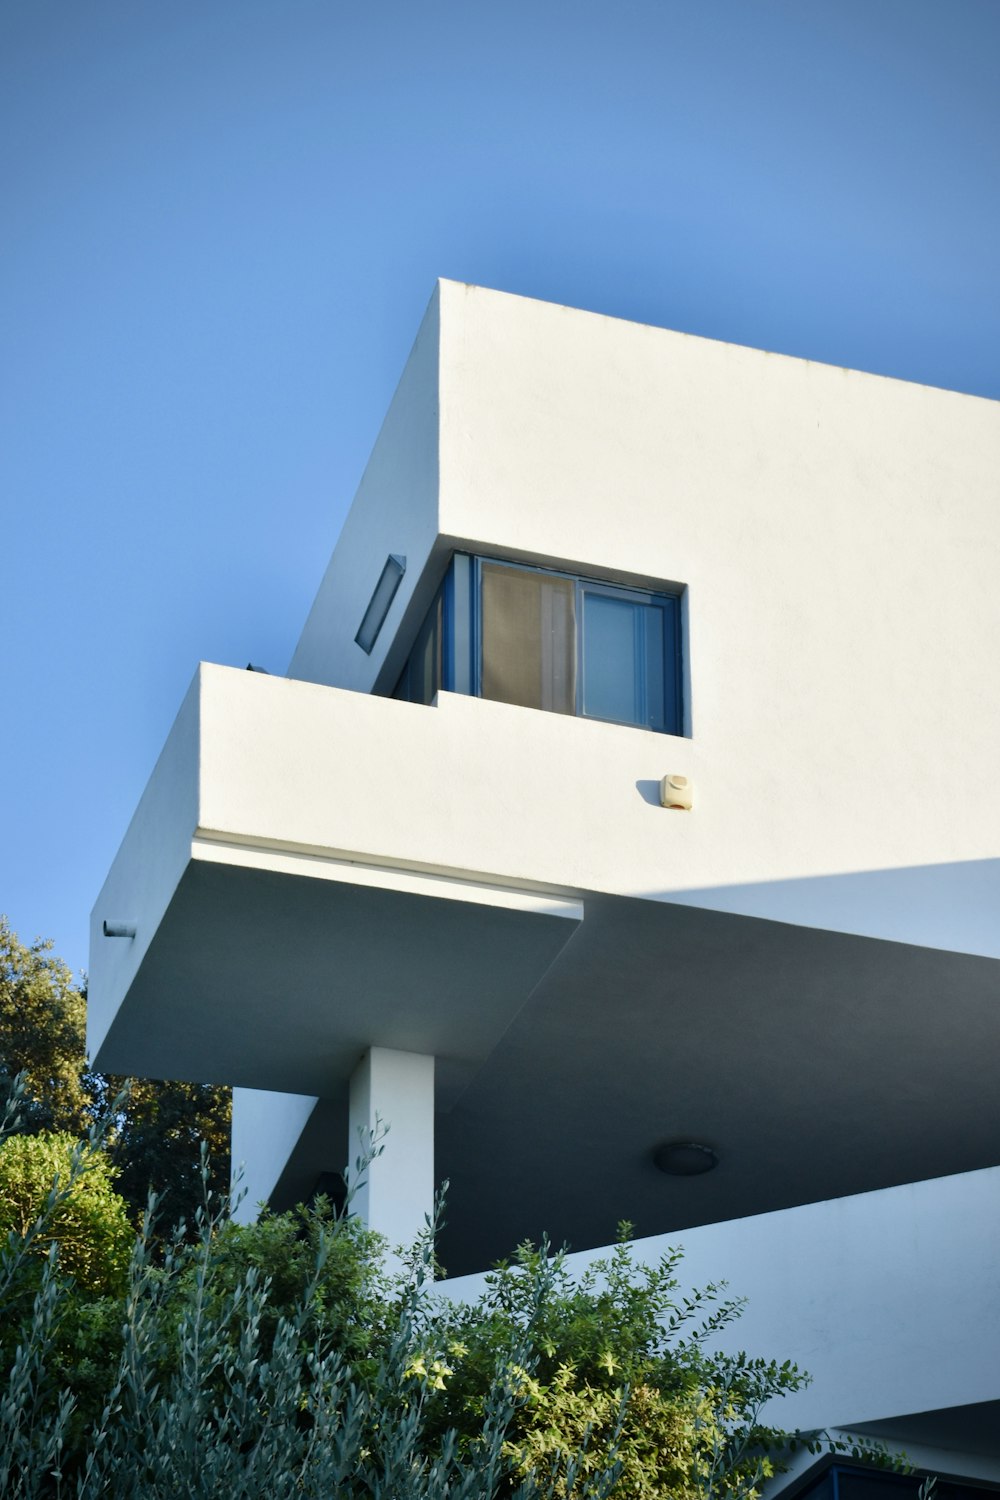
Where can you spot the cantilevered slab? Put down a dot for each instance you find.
(277, 980)
(261, 962)
(314, 871)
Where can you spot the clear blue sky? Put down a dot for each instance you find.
(221, 223)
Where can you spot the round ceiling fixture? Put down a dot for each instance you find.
(685, 1158)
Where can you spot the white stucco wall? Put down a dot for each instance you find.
(394, 511)
(542, 800)
(151, 860)
(838, 535)
(266, 1127)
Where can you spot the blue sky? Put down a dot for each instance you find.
(221, 223)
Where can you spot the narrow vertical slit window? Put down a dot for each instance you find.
(380, 602)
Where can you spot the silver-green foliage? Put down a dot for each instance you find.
(283, 1416)
(278, 1361)
(210, 1395)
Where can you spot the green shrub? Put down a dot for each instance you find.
(43, 1024)
(349, 1301)
(277, 1359)
(57, 1191)
(617, 1358)
(150, 1129)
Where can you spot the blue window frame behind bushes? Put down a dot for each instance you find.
(555, 641)
(837, 1481)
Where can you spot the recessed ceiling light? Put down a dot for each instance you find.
(685, 1158)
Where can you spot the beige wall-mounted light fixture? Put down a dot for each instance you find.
(677, 792)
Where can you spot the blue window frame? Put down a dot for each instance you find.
(830, 1480)
(556, 641)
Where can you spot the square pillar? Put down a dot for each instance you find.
(397, 1090)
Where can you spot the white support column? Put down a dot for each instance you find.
(396, 1089)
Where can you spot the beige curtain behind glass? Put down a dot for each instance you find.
(529, 638)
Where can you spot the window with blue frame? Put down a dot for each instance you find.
(555, 641)
(837, 1481)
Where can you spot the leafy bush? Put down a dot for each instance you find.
(43, 1023)
(150, 1130)
(277, 1359)
(691, 1420)
(57, 1191)
(154, 1134)
(308, 1249)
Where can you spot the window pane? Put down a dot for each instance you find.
(655, 710)
(611, 681)
(528, 638)
(422, 674)
(459, 672)
(820, 1489)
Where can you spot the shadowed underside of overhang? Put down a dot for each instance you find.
(960, 1429)
(269, 980)
(816, 1064)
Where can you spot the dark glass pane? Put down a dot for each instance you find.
(873, 1484)
(528, 638)
(854, 1482)
(611, 671)
(421, 677)
(673, 710)
(655, 708)
(820, 1489)
(459, 675)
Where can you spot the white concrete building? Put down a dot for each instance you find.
(427, 875)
